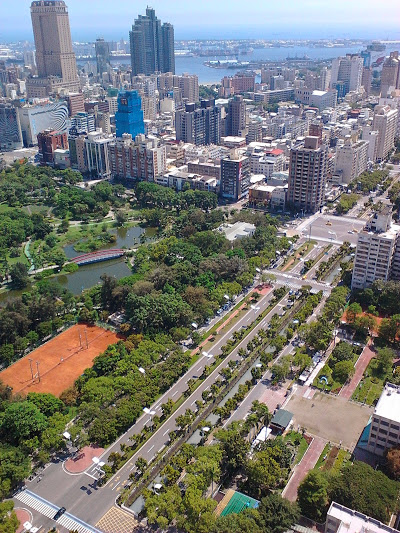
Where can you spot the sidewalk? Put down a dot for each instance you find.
(363, 361)
(308, 462)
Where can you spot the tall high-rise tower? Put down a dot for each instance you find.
(129, 117)
(152, 45)
(236, 115)
(102, 48)
(55, 58)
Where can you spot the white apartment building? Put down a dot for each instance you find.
(385, 425)
(347, 70)
(372, 137)
(341, 519)
(351, 159)
(394, 103)
(385, 123)
(378, 251)
(97, 154)
(267, 162)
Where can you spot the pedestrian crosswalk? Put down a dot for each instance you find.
(49, 509)
(73, 525)
(33, 501)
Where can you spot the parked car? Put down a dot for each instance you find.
(59, 513)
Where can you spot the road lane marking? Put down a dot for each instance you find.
(176, 392)
(165, 433)
(149, 450)
(116, 485)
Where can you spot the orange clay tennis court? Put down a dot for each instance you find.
(61, 360)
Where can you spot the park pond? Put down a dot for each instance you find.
(89, 275)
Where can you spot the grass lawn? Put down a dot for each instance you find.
(323, 457)
(342, 457)
(294, 437)
(332, 385)
(371, 385)
(4, 208)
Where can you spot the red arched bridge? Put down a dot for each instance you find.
(96, 257)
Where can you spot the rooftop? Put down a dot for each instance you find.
(355, 522)
(388, 405)
(237, 230)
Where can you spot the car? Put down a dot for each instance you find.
(351, 232)
(329, 223)
(59, 513)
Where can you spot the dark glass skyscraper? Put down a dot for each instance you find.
(102, 48)
(152, 45)
(129, 117)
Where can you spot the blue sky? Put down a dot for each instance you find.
(220, 19)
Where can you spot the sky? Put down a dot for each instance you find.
(224, 19)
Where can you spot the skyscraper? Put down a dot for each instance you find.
(129, 117)
(235, 176)
(390, 76)
(102, 48)
(236, 115)
(152, 45)
(55, 58)
(307, 175)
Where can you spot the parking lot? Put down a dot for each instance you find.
(332, 418)
(334, 228)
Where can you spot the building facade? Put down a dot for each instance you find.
(152, 45)
(10, 128)
(129, 117)
(347, 73)
(385, 123)
(97, 154)
(351, 159)
(378, 251)
(55, 58)
(236, 119)
(48, 142)
(102, 49)
(390, 75)
(385, 425)
(235, 176)
(200, 126)
(139, 159)
(307, 175)
(40, 117)
(341, 519)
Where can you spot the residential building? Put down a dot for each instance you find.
(351, 159)
(347, 72)
(267, 161)
(55, 58)
(10, 128)
(390, 75)
(102, 49)
(235, 176)
(366, 80)
(205, 168)
(139, 159)
(129, 117)
(278, 197)
(44, 115)
(97, 154)
(385, 424)
(236, 119)
(378, 251)
(307, 175)
(61, 158)
(152, 45)
(239, 83)
(189, 85)
(341, 519)
(316, 98)
(48, 142)
(199, 126)
(75, 102)
(77, 151)
(83, 122)
(178, 180)
(254, 131)
(385, 123)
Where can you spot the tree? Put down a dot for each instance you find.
(312, 495)
(342, 371)
(353, 310)
(14, 467)
(167, 408)
(277, 515)
(21, 421)
(263, 472)
(8, 519)
(393, 462)
(356, 487)
(141, 464)
(385, 360)
(343, 352)
(120, 217)
(235, 448)
(19, 275)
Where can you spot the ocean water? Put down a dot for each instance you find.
(207, 75)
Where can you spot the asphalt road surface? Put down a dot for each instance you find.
(79, 494)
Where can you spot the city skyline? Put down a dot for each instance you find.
(309, 19)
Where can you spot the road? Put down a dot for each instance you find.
(79, 494)
(264, 388)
